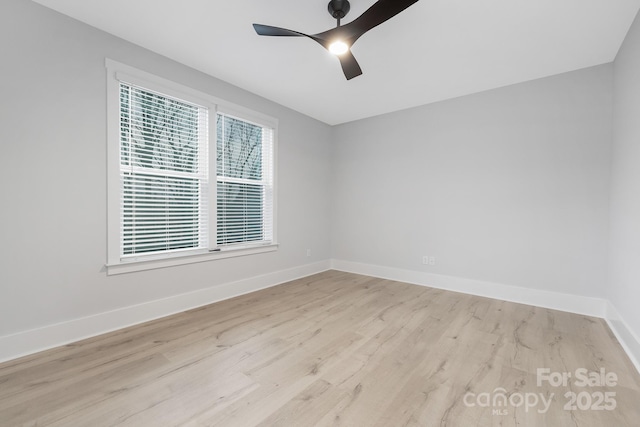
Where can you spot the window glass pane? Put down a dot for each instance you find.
(240, 215)
(239, 148)
(158, 132)
(159, 213)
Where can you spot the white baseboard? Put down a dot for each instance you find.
(627, 338)
(596, 307)
(50, 336)
(44, 338)
(539, 298)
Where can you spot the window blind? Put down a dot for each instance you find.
(244, 182)
(164, 173)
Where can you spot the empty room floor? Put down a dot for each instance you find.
(335, 349)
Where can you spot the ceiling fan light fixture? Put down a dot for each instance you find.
(339, 40)
(338, 47)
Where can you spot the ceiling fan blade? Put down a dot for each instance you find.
(267, 30)
(350, 66)
(381, 11)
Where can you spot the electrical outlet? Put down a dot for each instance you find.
(308, 252)
(429, 260)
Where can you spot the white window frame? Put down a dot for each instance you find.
(116, 264)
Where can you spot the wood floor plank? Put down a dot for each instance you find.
(332, 349)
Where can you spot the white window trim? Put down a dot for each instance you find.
(117, 72)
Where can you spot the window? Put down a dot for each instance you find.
(244, 181)
(163, 172)
(182, 192)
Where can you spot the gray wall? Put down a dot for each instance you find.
(624, 280)
(508, 186)
(53, 175)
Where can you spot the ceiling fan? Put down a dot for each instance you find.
(340, 39)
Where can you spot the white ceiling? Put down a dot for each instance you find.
(435, 50)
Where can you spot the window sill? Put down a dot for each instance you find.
(130, 266)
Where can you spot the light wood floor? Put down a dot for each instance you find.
(330, 349)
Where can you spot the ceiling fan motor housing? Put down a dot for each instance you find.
(339, 8)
